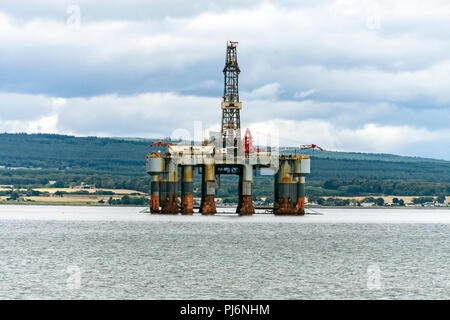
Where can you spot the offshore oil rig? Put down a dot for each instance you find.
(227, 154)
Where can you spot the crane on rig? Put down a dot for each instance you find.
(248, 146)
(161, 144)
(310, 146)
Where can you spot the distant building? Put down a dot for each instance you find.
(367, 204)
(84, 186)
(428, 204)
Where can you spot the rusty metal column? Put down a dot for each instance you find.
(155, 167)
(293, 183)
(294, 191)
(154, 197)
(301, 196)
(202, 187)
(239, 206)
(163, 189)
(302, 169)
(171, 204)
(275, 190)
(208, 206)
(284, 190)
(187, 189)
(247, 207)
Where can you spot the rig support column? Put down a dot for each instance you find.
(293, 194)
(245, 191)
(284, 190)
(208, 206)
(241, 179)
(155, 165)
(154, 197)
(276, 179)
(171, 204)
(301, 196)
(301, 169)
(163, 189)
(187, 189)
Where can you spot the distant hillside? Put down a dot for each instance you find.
(124, 154)
(59, 151)
(120, 162)
(336, 155)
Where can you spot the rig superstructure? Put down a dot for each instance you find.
(226, 155)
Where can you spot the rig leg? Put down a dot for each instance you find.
(301, 196)
(275, 191)
(162, 190)
(239, 206)
(284, 206)
(187, 190)
(171, 203)
(245, 191)
(154, 197)
(208, 206)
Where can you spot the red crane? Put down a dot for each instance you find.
(310, 146)
(248, 146)
(248, 142)
(161, 144)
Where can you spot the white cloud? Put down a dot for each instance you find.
(45, 124)
(404, 140)
(165, 114)
(269, 91)
(304, 94)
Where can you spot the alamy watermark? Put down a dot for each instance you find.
(373, 16)
(73, 281)
(213, 147)
(369, 11)
(373, 277)
(74, 17)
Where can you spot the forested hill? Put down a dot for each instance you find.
(69, 152)
(108, 161)
(336, 155)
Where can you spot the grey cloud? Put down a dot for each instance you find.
(302, 45)
(147, 68)
(144, 115)
(133, 9)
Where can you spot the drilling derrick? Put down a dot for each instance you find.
(231, 106)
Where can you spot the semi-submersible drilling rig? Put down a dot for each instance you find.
(226, 155)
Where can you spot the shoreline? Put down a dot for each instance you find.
(74, 204)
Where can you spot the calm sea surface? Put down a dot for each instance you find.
(49, 252)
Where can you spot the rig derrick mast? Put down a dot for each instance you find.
(231, 106)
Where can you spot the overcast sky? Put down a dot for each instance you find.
(364, 76)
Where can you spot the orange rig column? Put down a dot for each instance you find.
(171, 203)
(245, 191)
(187, 189)
(154, 167)
(284, 181)
(302, 169)
(208, 207)
(154, 197)
(293, 180)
